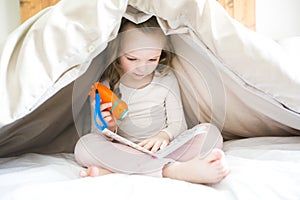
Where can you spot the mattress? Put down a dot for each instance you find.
(261, 168)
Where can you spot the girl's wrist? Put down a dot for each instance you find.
(165, 135)
(115, 129)
(170, 136)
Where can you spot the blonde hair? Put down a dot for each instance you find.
(113, 71)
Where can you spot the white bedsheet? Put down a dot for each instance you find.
(261, 168)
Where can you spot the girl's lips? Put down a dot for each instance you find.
(138, 74)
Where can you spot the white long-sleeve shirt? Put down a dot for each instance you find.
(156, 107)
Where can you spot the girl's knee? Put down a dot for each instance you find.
(210, 127)
(81, 150)
(213, 134)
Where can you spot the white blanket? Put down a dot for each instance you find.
(261, 168)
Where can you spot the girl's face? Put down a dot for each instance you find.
(140, 64)
(140, 52)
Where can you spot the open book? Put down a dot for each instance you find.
(177, 142)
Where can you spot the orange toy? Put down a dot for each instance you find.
(119, 108)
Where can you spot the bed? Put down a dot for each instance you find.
(250, 91)
(261, 168)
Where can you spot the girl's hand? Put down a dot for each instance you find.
(110, 120)
(107, 116)
(159, 141)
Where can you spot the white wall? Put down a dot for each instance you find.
(278, 18)
(9, 18)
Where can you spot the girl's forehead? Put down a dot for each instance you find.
(144, 53)
(135, 39)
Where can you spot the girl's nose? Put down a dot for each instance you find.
(142, 67)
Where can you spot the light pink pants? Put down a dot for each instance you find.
(95, 150)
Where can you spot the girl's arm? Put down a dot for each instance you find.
(175, 119)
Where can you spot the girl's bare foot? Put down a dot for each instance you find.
(93, 171)
(210, 169)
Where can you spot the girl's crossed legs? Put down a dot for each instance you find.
(200, 160)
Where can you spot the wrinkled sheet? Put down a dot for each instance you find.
(261, 168)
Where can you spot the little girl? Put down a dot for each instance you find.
(142, 76)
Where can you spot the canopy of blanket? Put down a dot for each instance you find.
(229, 75)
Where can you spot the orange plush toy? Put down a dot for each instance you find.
(119, 108)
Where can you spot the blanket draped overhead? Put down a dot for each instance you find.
(229, 75)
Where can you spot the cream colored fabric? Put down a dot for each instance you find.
(240, 80)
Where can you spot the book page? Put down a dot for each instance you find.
(180, 140)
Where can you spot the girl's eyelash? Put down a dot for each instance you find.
(131, 59)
